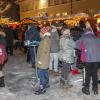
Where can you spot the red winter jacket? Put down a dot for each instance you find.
(3, 54)
(98, 33)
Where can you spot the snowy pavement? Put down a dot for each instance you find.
(18, 79)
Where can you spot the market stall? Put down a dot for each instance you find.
(9, 22)
(75, 19)
(71, 20)
(27, 21)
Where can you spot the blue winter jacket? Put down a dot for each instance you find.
(32, 34)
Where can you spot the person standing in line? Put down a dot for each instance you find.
(43, 59)
(66, 56)
(32, 35)
(3, 55)
(54, 47)
(98, 35)
(89, 44)
(10, 39)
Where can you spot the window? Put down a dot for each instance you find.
(57, 2)
(68, 1)
(50, 2)
(63, 1)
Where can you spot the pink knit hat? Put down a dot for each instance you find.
(44, 30)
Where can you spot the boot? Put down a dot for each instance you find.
(85, 90)
(40, 91)
(98, 81)
(62, 82)
(47, 86)
(2, 84)
(95, 90)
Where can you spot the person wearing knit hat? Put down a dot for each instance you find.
(44, 30)
(42, 61)
(66, 56)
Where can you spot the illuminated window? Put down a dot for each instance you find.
(63, 1)
(42, 1)
(68, 1)
(50, 2)
(43, 4)
(57, 2)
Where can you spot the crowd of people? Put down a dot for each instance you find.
(59, 44)
(7, 37)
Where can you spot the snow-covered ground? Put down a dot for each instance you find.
(18, 79)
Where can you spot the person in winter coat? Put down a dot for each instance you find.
(89, 45)
(43, 60)
(32, 34)
(98, 35)
(9, 38)
(3, 55)
(66, 55)
(2, 36)
(54, 48)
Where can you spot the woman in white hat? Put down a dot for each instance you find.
(67, 54)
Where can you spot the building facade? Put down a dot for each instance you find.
(9, 9)
(31, 8)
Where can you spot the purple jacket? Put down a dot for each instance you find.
(89, 45)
